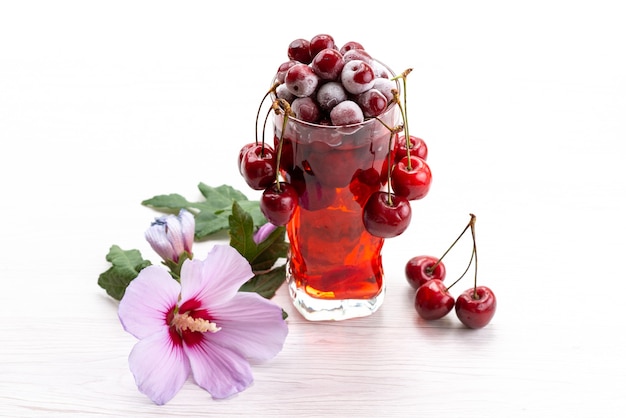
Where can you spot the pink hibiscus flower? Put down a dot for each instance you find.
(202, 326)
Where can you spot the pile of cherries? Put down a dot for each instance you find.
(474, 307)
(329, 85)
(322, 83)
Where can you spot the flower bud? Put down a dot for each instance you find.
(172, 235)
(263, 232)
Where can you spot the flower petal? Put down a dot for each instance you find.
(158, 238)
(250, 325)
(147, 301)
(188, 226)
(160, 366)
(174, 233)
(218, 370)
(217, 278)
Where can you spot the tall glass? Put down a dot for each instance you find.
(335, 265)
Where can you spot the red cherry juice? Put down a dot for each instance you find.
(335, 169)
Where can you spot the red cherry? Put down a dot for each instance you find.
(327, 64)
(419, 270)
(301, 80)
(283, 68)
(300, 50)
(320, 42)
(475, 308)
(346, 113)
(432, 300)
(414, 182)
(278, 204)
(417, 147)
(242, 153)
(357, 76)
(306, 109)
(350, 45)
(258, 166)
(386, 215)
(357, 54)
(364, 183)
(373, 102)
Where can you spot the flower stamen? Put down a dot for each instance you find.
(184, 322)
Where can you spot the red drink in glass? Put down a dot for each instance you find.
(335, 265)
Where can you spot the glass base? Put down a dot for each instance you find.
(316, 309)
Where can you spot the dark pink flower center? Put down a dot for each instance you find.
(189, 323)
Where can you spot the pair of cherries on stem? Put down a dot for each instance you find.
(258, 168)
(475, 307)
(258, 164)
(387, 213)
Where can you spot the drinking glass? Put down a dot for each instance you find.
(335, 269)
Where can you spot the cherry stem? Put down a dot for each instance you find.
(434, 266)
(392, 132)
(475, 253)
(277, 106)
(258, 112)
(267, 115)
(470, 225)
(403, 111)
(396, 95)
(389, 200)
(465, 272)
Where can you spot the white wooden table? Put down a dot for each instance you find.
(104, 104)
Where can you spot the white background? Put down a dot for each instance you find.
(106, 103)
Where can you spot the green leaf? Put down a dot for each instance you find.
(211, 214)
(170, 203)
(266, 284)
(126, 265)
(254, 210)
(241, 229)
(262, 257)
(221, 196)
(209, 223)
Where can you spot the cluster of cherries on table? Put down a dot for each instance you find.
(475, 307)
(322, 83)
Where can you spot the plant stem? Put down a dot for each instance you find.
(473, 225)
(403, 109)
(465, 272)
(267, 115)
(405, 126)
(277, 106)
(474, 258)
(258, 112)
(392, 132)
(406, 122)
(389, 201)
(434, 266)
